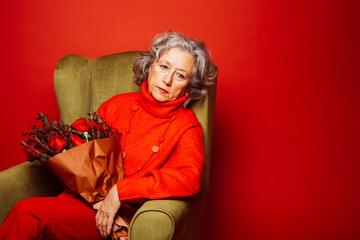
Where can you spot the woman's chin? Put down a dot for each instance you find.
(160, 98)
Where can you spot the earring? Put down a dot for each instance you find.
(187, 94)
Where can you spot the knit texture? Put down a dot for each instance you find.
(176, 169)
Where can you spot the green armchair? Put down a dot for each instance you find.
(80, 84)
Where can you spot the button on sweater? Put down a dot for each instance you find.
(162, 145)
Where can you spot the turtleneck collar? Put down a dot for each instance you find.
(159, 109)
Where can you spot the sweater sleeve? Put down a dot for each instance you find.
(180, 176)
(107, 109)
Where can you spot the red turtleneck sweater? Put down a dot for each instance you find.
(162, 145)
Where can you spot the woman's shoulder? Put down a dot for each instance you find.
(118, 101)
(186, 124)
(124, 97)
(188, 117)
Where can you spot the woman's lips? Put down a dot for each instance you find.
(163, 91)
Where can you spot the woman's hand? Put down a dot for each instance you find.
(105, 216)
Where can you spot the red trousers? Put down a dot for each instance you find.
(63, 217)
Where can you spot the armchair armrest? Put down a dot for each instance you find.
(158, 219)
(23, 181)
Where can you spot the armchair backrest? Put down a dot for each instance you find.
(82, 83)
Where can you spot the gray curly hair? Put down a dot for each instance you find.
(204, 73)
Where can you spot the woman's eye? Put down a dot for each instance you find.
(180, 76)
(163, 67)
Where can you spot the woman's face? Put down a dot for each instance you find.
(170, 75)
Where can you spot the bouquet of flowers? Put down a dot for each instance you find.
(86, 156)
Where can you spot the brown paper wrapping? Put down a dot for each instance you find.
(90, 169)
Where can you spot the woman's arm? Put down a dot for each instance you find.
(180, 176)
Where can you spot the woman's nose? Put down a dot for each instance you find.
(168, 79)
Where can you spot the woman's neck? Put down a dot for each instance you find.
(160, 109)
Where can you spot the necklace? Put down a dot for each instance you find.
(155, 148)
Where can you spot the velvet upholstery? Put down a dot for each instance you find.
(82, 83)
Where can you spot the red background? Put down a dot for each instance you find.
(286, 155)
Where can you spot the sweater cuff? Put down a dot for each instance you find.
(129, 189)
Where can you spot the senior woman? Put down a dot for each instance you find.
(162, 145)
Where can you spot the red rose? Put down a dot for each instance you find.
(31, 150)
(115, 133)
(76, 140)
(58, 142)
(95, 125)
(81, 125)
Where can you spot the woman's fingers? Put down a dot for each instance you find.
(97, 220)
(104, 226)
(105, 216)
(109, 225)
(104, 221)
(101, 220)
